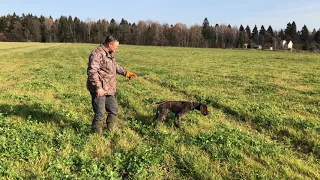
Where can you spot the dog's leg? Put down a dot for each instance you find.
(179, 114)
(157, 118)
(163, 115)
(178, 119)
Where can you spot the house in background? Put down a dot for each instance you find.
(283, 44)
(286, 45)
(290, 45)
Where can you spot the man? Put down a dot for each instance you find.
(102, 70)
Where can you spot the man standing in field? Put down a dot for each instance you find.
(102, 70)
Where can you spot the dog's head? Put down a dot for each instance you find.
(203, 109)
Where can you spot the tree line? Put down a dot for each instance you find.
(30, 28)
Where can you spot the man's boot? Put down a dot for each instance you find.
(112, 123)
(97, 127)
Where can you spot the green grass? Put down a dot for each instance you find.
(263, 124)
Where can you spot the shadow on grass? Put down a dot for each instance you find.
(147, 121)
(36, 113)
(185, 166)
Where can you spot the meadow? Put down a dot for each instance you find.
(264, 120)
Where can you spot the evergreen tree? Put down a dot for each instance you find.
(262, 34)
(206, 29)
(43, 32)
(305, 35)
(294, 34)
(282, 34)
(248, 31)
(133, 34)
(3, 24)
(31, 28)
(255, 35)
(41, 19)
(63, 29)
(249, 36)
(124, 34)
(269, 36)
(270, 31)
(241, 28)
(317, 37)
(78, 30)
(3, 27)
(71, 30)
(291, 32)
(113, 28)
(287, 32)
(97, 36)
(207, 33)
(240, 42)
(54, 30)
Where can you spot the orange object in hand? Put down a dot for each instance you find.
(131, 75)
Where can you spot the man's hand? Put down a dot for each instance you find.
(100, 92)
(131, 75)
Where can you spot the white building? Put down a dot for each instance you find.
(290, 45)
(286, 45)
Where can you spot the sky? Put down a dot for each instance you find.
(246, 12)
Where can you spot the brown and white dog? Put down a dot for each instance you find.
(179, 108)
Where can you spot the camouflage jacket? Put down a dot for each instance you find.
(102, 70)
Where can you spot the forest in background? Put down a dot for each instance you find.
(31, 28)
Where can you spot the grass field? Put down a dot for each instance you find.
(263, 124)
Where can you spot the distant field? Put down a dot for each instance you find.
(263, 124)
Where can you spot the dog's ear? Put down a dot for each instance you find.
(204, 109)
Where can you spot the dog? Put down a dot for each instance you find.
(179, 108)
